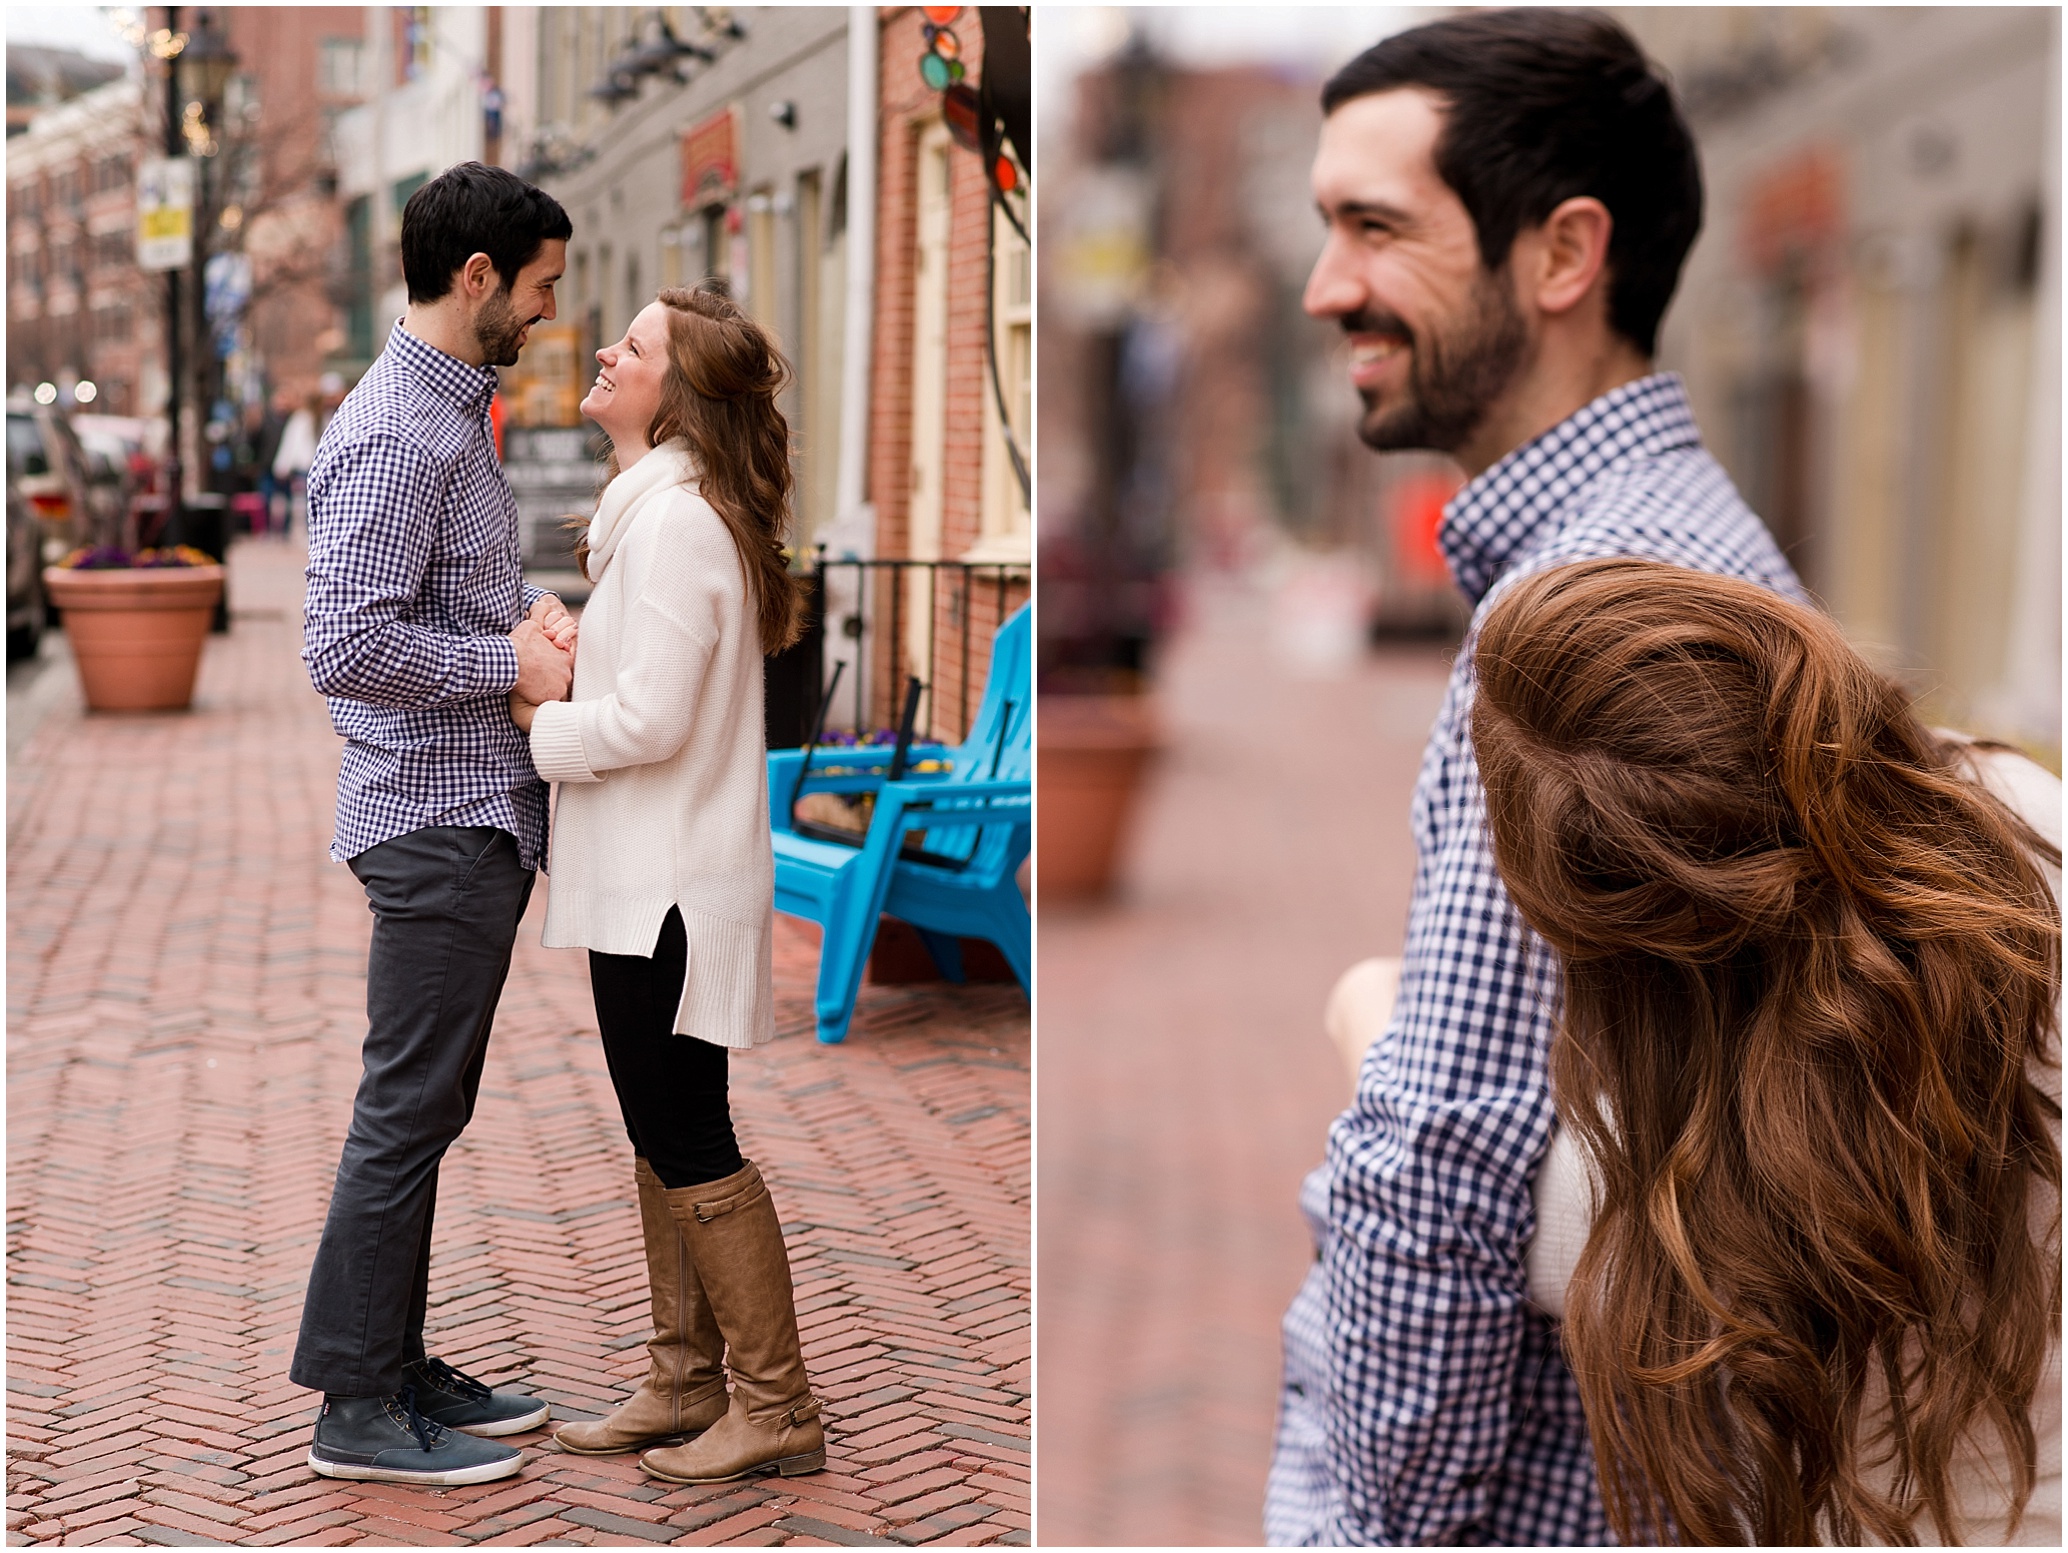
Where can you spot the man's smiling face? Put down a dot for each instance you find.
(503, 322)
(1433, 336)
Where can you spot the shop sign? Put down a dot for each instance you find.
(711, 159)
(1793, 211)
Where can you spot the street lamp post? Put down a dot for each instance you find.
(201, 73)
(175, 145)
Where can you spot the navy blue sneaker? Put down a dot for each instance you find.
(388, 1440)
(458, 1401)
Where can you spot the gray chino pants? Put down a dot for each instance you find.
(446, 902)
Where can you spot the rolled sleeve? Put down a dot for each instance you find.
(374, 520)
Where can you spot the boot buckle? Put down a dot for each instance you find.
(803, 1412)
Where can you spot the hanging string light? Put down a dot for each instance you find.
(940, 67)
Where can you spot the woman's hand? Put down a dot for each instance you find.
(556, 622)
(522, 711)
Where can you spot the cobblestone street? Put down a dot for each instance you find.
(1186, 1084)
(185, 1007)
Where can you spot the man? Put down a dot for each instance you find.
(1508, 199)
(418, 626)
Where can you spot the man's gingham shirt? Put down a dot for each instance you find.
(415, 583)
(1424, 1401)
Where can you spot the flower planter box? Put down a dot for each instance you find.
(136, 633)
(1092, 753)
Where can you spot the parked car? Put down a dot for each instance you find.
(78, 495)
(50, 470)
(25, 605)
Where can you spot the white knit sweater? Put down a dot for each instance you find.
(660, 758)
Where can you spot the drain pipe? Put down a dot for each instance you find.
(853, 519)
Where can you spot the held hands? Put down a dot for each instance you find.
(555, 621)
(545, 641)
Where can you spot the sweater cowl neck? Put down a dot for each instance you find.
(668, 465)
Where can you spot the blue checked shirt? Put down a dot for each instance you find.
(1424, 1401)
(415, 583)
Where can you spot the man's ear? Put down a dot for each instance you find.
(1569, 253)
(478, 276)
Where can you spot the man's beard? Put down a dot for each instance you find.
(499, 331)
(1454, 377)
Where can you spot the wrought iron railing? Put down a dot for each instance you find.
(891, 620)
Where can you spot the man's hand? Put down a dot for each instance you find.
(544, 671)
(555, 621)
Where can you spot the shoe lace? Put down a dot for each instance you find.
(446, 1378)
(428, 1431)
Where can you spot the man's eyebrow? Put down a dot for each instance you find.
(1377, 210)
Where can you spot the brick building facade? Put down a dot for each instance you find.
(305, 66)
(77, 306)
(939, 473)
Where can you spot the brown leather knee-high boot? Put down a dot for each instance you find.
(772, 1424)
(684, 1390)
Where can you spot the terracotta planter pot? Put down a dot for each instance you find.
(1092, 754)
(136, 634)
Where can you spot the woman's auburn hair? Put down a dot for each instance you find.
(718, 396)
(1807, 962)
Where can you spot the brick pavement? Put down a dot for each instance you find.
(185, 1004)
(1185, 1083)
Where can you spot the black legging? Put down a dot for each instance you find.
(670, 1087)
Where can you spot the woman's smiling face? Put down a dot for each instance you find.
(626, 395)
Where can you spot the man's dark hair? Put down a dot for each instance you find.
(472, 209)
(1544, 106)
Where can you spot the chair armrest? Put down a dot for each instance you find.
(903, 806)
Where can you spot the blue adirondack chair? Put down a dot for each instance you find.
(973, 801)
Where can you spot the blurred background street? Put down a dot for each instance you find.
(1184, 1080)
(1245, 620)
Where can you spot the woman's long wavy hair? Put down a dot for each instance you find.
(1806, 962)
(719, 396)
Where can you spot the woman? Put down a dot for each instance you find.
(1809, 956)
(661, 866)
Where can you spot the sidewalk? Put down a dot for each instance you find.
(1186, 1084)
(185, 1006)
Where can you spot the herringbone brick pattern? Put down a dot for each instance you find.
(185, 1004)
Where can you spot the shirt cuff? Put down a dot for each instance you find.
(490, 668)
(556, 744)
(532, 595)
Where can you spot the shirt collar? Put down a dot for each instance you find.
(1487, 525)
(467, 386)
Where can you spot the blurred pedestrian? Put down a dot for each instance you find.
(272, 489)
(1802, 1217)
(663, 869)
(440, 813)
(293, 455)
(1508, 198)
